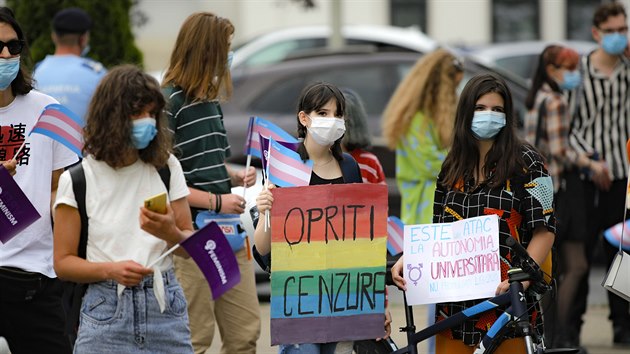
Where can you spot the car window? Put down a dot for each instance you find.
(281, 98)
(278, 51)
(522, 65)
(374, 82)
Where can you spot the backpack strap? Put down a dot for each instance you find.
(165, 175)
(78, 187)
(350, 169)
(73, 292)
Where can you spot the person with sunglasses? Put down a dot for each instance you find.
(32, 319)
(600, 129)
(68, 75)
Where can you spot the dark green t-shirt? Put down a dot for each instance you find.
(201, 143)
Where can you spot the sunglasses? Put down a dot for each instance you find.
(15, 46)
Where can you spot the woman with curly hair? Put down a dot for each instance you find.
(128, 307)
(418, 123)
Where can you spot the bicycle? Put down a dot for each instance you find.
(515, 316)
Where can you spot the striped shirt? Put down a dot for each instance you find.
(553, 134)
(371, 169)
(601, 123)
(201, 143)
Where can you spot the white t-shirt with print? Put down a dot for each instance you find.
(113, 200)
(32, 249)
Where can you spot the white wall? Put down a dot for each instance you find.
(250, 17)
(553, 22)
(460, 21)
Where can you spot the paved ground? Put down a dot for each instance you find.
(596, 334)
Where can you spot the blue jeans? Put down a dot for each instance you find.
(317, 348)
(133, 323)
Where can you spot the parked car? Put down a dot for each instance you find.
(521, 58)
(275, 46)
(272, 93)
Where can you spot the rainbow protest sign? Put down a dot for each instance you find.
(328, 263)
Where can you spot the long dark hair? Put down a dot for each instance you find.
(23, 83)
(552, 55)
(505, 156)
(314, 97)
(125, 91)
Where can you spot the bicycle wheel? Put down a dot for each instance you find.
(372, 346)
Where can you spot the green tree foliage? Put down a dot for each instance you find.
(111, 39)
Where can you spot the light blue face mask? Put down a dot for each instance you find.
(85, 50)
(144, 130)
(614, 43)
(570, 80)
(9, 69)
(487, 124)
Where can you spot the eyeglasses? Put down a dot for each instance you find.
(623, 29)
(15, 46)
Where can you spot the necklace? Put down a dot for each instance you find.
(325, 163)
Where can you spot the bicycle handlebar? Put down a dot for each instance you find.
(528, 265)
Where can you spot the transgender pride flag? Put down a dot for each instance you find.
(395, 235)
(61, 124)
(265, 128)
(285, 167)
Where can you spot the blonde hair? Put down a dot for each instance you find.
(429, 87)
(199, 60)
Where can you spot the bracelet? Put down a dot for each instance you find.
(218, 206)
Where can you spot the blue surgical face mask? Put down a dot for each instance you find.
(230, 57)
(570, 80)
(85, 50)
(144, 130)
(614, 43)
(9, 69)
(487, 124)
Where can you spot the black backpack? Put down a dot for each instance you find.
(73, 292)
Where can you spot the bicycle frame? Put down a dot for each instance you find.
(516, 312)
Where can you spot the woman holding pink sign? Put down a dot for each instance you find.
(490, 171)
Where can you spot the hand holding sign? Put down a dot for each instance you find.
(443, 259)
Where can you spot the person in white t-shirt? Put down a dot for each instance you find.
(127, 308)
(31, 314)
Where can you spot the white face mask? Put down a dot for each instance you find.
(326, 130)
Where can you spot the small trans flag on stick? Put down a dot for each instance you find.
(265, 128)
(395, 235)
(285, 167)
(61, 124)
(264, 146)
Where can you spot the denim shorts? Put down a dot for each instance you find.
(133, 323)
(317, 348)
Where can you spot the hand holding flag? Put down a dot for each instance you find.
(213, 254)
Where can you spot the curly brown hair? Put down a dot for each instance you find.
(124, 92)
(429, 87)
